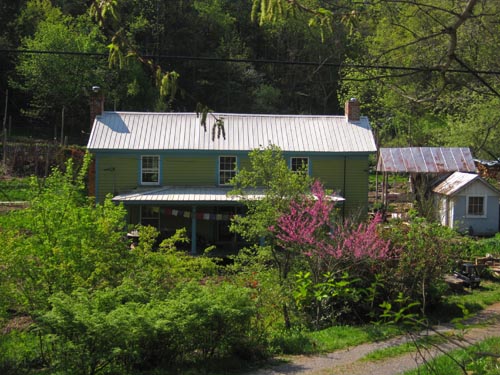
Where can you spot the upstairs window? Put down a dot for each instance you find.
(475, 206)
(299, 164)
(150, 170)
(227, 169)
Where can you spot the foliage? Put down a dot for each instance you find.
(156, 269)
(423, 343)
(427, 252)
(342, 259)
(122, 330)
(484, 246)
(269, 172)
(75, 75)
(345, 336)
(14, 189)
(19, 351)
(462, 361)
(61, 241)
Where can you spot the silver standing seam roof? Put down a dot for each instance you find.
(190, 194)
(244, 132)
(425, 160)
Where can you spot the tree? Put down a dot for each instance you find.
(269, 171)
(55, 81)
(427, 60)
(62, 241)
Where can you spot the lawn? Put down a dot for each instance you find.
(14, 189)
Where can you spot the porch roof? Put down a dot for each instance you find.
(192, 195)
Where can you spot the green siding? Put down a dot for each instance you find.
(329, 171)
(356, 190)
(355, 187)
(190, 171)
(244, 163)
(120, 174)
(116, 175)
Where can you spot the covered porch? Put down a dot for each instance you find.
(205, 212)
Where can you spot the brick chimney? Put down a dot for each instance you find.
(352, 110)
(96, 104)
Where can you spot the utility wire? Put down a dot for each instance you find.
(258, 61)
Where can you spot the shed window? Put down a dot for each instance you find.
(475, 206)
(150, 170)
(227, 169)
(299, 164)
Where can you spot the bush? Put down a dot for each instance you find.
(427, 252)
(117, 331)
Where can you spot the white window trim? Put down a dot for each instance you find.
(159, 170)
(301, 157)
(485, 206)
(226, 170)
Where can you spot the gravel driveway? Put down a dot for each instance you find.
(347, 361)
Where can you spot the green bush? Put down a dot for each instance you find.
(19, 352)
(425, 253)
(114, 330)
(484, 246)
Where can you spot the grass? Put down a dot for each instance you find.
(470, 358)
(452, 306)
(14, 189)
(340, 337)
(408, 347)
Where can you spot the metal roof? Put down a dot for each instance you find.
(426, 160)
(457, 181)
(244, 132)
(187, 194)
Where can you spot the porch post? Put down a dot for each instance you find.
(193, 230)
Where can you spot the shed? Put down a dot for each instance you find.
(423, 164)
(468, 203)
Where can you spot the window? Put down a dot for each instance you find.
(299, 164)
(150, 215)
(227, 169)
(475, 206)
(150, 170)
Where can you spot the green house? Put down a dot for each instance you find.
(169, 172)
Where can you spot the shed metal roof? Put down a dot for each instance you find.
(244, 132)
(425, 160)
(458, 181)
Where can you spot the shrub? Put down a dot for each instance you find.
(121, 331)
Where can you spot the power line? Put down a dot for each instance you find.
(258, 61)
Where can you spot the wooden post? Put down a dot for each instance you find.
(193, 230)
(62, 126)
(4, 132)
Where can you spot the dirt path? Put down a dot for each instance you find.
(347, 361)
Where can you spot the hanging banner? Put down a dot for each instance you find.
(199, 215)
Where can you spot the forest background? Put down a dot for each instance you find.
(426, 72)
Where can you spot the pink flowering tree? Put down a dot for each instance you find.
(339, 254)
(308, 226)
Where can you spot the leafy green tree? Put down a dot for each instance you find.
(281, 186)
(427, 251)
(62, 241)
(55, 81)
